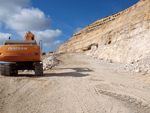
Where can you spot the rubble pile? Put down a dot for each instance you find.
(141, 66)
(49, 61)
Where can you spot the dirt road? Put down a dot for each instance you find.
(79, 84)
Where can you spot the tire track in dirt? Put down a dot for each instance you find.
(89, 98)
(113, 105)
(133, 102)
(83, 95)
(18, 91)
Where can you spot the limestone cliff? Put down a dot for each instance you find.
(122, 37)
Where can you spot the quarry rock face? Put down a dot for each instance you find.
(123, 37)
(125, 46)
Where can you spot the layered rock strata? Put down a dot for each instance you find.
(123, 37)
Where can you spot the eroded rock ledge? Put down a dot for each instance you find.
(123, 37)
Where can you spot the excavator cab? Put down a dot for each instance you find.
(29, 36)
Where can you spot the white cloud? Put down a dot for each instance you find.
(48, 36)
(10, 7)
(16, 16)
(12, 3)
(19, 17)
(0, 25)
(53, 44)
(78, 29)
(28, 19)
(3, 37)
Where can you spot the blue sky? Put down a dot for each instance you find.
(53, 21)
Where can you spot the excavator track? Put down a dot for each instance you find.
(38, 68)
(11, 69)
(8, 69)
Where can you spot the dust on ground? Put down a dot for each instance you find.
(78, 84)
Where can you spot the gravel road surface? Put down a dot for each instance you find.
(79, 84)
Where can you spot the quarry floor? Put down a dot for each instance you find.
(79, 84)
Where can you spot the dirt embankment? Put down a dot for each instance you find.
(78, 84)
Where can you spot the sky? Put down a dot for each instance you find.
(53, 21)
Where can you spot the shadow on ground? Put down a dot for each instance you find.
(76, 73)
(79, 69)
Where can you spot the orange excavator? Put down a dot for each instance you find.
(21, 55)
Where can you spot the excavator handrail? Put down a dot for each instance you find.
(20, 42)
